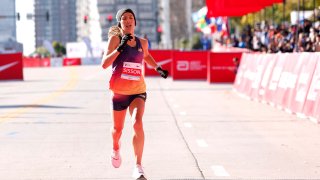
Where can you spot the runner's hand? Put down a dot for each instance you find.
(163, 73)
(123, 42)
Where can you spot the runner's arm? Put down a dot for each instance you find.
(111, 52)
(146, 55)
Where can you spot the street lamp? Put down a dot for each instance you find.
(11, 16)
(46, 15)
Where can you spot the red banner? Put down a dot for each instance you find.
(244, 3)
(236, 8)
(11, 67)
(190, 65)
(36, 62)
(217, 8)
(221, 67)
(71, 61)
(163, 58)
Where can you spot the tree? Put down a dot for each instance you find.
(41, 52)
(196, 43)
(59, 48)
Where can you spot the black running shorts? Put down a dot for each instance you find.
(121, 102)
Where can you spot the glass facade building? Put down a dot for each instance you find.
(60, 25)
(7, 23)
(146, 12)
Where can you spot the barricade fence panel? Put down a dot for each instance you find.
(11, 66)
(290, 81)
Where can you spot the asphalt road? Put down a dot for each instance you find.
(55, 125)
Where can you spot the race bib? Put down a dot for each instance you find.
(131, 71)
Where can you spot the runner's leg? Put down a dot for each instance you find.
(137, 108)
(118, 123)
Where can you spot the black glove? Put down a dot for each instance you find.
(163, 73)
(123, 42)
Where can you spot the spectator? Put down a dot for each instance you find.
(206, 42)
(317, 44)
(145, 36)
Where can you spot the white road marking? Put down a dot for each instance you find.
(202, 143)
(100, 73)
(183, 113)
(219, 170)
(176, 105)
(166, 87)
(188, 125)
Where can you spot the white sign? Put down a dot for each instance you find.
(80, 50)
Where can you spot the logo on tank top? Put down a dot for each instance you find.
(131, 71)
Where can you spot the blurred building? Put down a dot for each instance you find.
(146, 12)
(83, 11)
(8, 19)
(55, 20)
(88, 25)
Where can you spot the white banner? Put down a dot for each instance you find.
(80, 50)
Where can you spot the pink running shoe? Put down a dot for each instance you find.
(116, 158)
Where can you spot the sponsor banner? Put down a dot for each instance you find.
(71, 61)
(11, 66)
(271, 60)
(275, 77)
(163, 58)
(31, 62)
(311, 105)
(302, 74)
(238, 84)
(85, 50)
(287, 79)
(45, 62)
(290, 81)
(190, 65)
(221, 67)
(36, 62)
(248, 74)
(261, 61)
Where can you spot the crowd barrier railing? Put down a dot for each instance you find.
(215, 67)
(288, 81)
